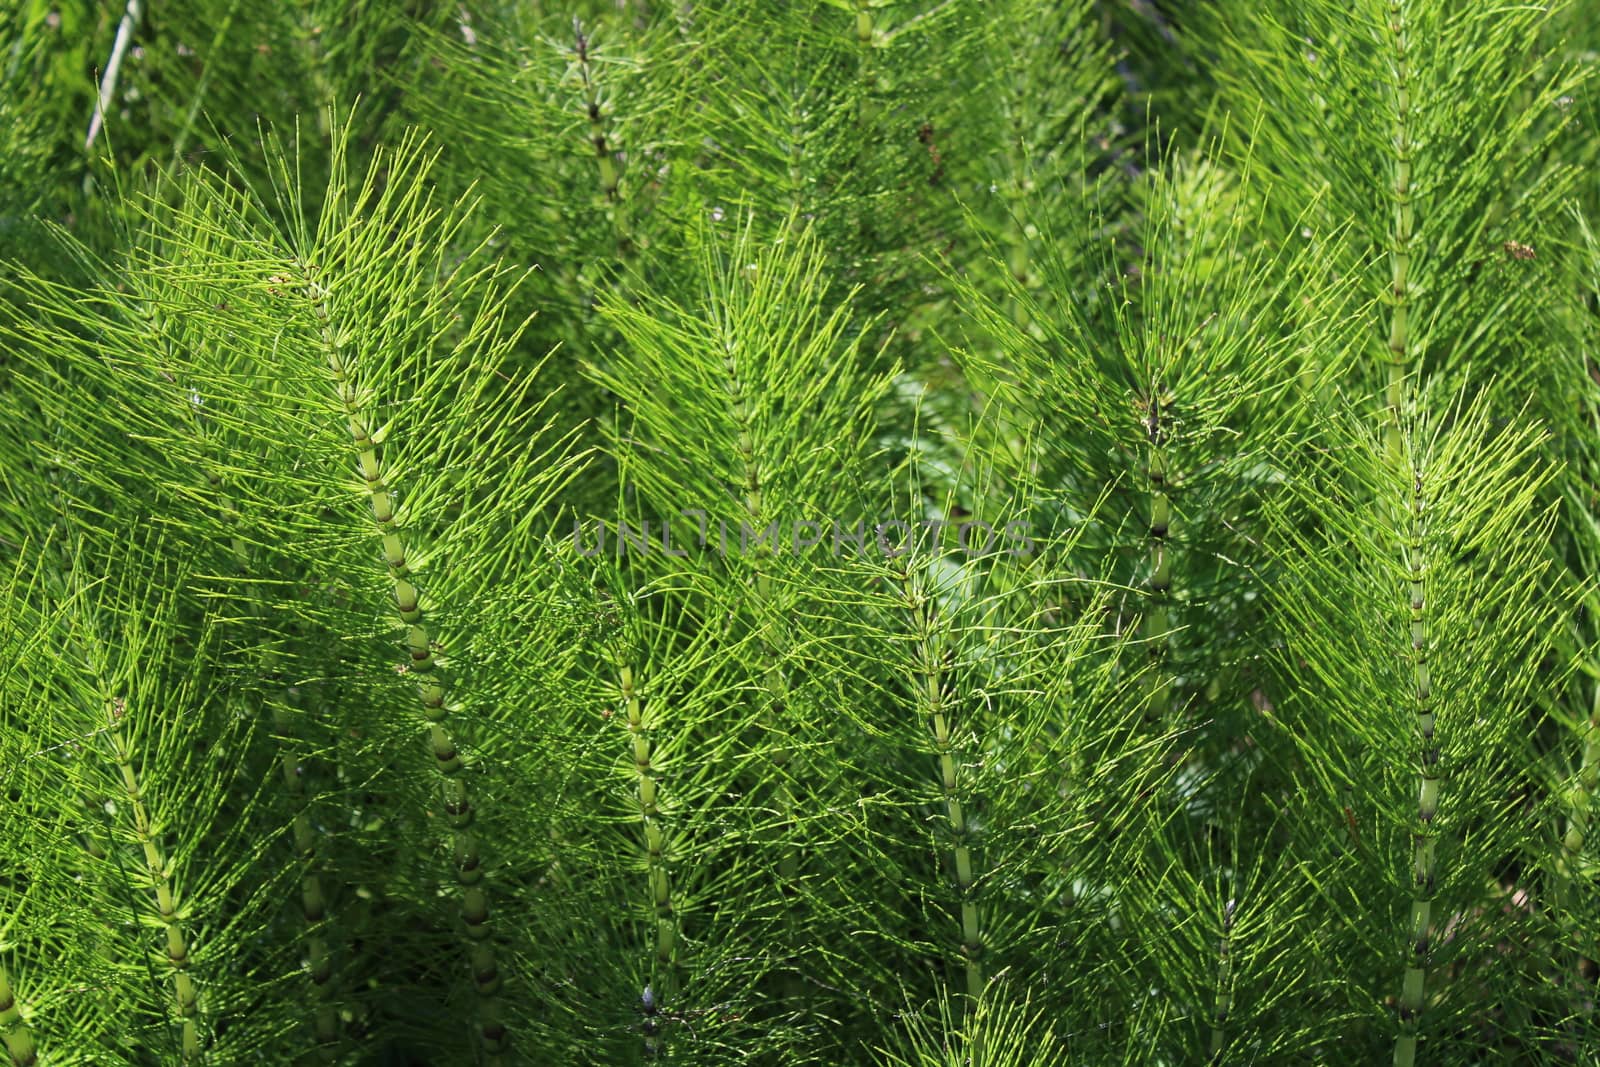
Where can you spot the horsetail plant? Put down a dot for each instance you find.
(124, 716)
(929, 688)
(1399, 342)
(1165, 415)
(336, 322)
(762, 361)
(1007, 532)
(1328, 88)
(313, 898)
(157, 876)
(1426, 730)
(431, 687)
(658, 878)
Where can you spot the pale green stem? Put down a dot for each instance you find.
(658, 876)
(431, 690)
(1399, 343)
(310, 38)
(313, 904)
(1223, 1006)
(14, 1032)
(1157, 619)
(186, 999)
(1018, 188)
(776, 687)
(867, 117)
(597, 130)
(930, 686)
(1425, 840)
(868, 113)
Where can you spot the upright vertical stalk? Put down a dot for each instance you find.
(1399, 354)
(430, 685)
(775, 688)
(186, 999)
(930, 691)
(867, 112)
(661, 988)
(1224, 1002)
(1424, 839)
(610, 175)
(867, 121)
(597, 129)
(313, 904)
(14, 1032)
(1157, 618)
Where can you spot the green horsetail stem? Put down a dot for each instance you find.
(609, 178)
(866, 41)
(1425, 839)
(1399, 343)
(14, 1033)
(1158, 616)
(929, 689)
(186, 1000)
(492, 1032)
(775, 687)
(868, 112)
(313, 904)
(658, 878)
(1224, 1002)
(1019, 258)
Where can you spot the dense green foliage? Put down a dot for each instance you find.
(994, 532)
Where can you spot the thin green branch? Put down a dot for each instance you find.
(663, 986)
(431, 690)
(186, 997)
(1424, 838)
(1399, 342)
(929, 688)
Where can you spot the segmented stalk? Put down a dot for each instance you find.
(14, 1032)
(185, 997)
(1399, 355)
(776, 685)
(1224, 1002)
(1424, 840)
(865, 34)
(659, 878)
(930, 681)
(1157, 618)
(313, 904)
(597, 130)
(868, 114)
(431, 688)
